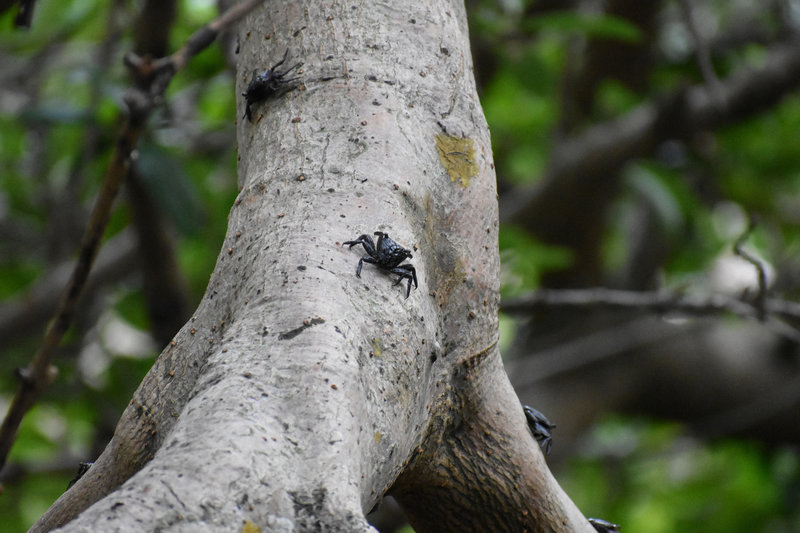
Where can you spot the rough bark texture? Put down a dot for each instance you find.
(299, 394)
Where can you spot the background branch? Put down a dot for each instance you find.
(661, 302)
(40, 372)
(32, 308)
(605, 147)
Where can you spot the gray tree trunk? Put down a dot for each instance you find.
(298, 394)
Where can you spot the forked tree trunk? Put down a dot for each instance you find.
(298, 394)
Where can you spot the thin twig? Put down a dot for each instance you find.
(761, 295)
(661, 302)
(702, 54)
(41, 372)
(656, 301)
(28, 311)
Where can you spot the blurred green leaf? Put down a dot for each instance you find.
(171, 188)
(643, 476)
(23, 503)
(524, 260)
(758, 160)
(613, 98)
(217, 105)
(519, 119)
(38, 435)
(131, 306)
(16, 276)
(590, 25)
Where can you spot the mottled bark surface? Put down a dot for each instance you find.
(298, 394)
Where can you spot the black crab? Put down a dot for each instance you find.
(540, 427)
(387, 255)
(269, 83)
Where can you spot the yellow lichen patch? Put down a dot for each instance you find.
(378, 437)
(458, 157)
(377, 348)
(250, 527)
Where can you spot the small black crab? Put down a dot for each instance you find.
(82, 469)
(540, 427)
(271, 82)
(602, 526)
(387, 255)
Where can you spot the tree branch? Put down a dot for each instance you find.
(604, 148)
(662, 302)
(41, 372)
(738, 249)
(30, 309)
(165, 289)
(701, 49)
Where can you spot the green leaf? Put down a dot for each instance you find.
(171, 188)
(595, 25)
(525, 260)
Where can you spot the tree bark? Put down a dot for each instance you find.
(299, 394)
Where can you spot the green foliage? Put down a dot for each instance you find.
(167, 181)
(131, 307)
(518, 102)
(521, 117)
(216, 104)
(646, 477)
(525, 260)
(57, 98)
(22, 504)
(682, 218)
(596, 26)
(695, 194)
(757, 161)
(16, 274)
(614, 99)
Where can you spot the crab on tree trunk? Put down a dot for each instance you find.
(387, 255)
(306, 397)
